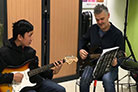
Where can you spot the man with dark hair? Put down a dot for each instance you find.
(17, 53)
(104, 35)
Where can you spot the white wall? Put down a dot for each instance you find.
(117, 17)
(117, 12)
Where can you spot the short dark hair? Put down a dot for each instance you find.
(99, 8)
(21, 27)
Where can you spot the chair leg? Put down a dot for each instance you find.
(117, 85)
(77, 84)
(136, 86)
(95, 83)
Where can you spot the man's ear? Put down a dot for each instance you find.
(108, 15)
(19, 37)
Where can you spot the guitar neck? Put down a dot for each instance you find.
(94, 56)
(42, 69)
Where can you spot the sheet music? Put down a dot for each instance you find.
(104, 62)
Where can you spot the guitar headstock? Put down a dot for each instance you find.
(70, 59)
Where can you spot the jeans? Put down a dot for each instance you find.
(48, 86)
(108, 79)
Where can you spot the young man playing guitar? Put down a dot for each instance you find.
(17, 53)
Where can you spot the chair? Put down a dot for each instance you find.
(108, 57)
(128, 83)
(95, 84)
(130, 65)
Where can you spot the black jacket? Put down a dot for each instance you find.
(113, 37)
(13, 56)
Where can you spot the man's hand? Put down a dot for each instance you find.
(114, 63)
(83, 54)
(57, 67)
(18, 77)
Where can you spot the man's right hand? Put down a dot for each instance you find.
(83, 54)
(18, 77)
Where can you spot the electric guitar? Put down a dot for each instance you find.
(17, 87)
(93, 56)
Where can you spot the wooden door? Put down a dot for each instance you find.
(29, 10)
(64, 22)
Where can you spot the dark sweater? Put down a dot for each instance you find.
(113, 37)
(13, 56)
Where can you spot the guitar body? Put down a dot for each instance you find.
(5, 88)
(16, 87)
(91, 60)
(86, 62)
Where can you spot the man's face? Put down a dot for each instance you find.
(27, 39)
(102, 20)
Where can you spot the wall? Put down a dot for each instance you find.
(1, 11)
(117, 17)
(64, 22)
(1, 35)
(1, 21)
(117, 12)
(133, 26)
(31, 11)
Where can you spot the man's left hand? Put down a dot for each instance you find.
(114, 63)
(57, 67)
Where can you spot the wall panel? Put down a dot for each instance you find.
(132, 27)
(64, 21)
(29, 10)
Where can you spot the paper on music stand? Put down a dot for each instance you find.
(104, 62)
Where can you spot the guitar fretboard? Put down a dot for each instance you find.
(42, 69)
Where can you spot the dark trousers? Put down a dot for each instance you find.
(48, 86)
(108, 79)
